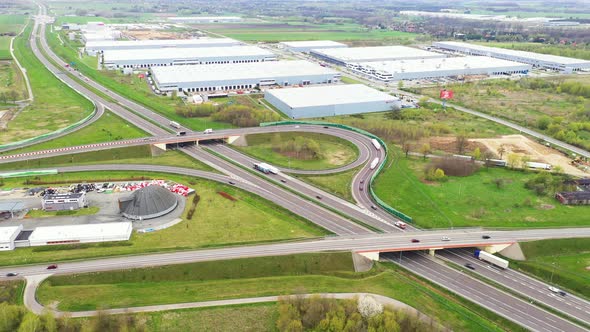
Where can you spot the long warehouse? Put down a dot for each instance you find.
(93, 47)
(547, 61)
(332, 100)
(343, 56)
(308, 45)
(67, 234)
(146, 58)
(446, 67)
(225, 77)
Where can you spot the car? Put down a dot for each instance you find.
(361, 188)
(485, 237)
(562, 293)
(554, 289)
(445, 238)
(52, 267)
(326, 127)
(373, 207)
(283, 181)
(470, 266)
(231, 182)
(362, 181)
(318, 197)
(11, 274)
(415, 240)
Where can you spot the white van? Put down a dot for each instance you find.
(208, 131)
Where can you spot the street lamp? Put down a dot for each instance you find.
(552, 271)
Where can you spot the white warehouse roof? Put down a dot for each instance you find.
(160, 43)
(312, 44)
(362, 54)
(8, 233)
(329, 95)
(237, 71)
(514, 53)
(183, 53)
(115, 231)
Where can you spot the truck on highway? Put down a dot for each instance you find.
(208, 131)
(376, 144)
(374, 163)
(497, 261)
(174, 124)
(266, 168)
(400, 224)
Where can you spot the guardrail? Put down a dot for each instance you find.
(379, 202)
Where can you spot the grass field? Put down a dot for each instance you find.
(217, 221)
(11, 291)
(338, 184)
(336, 152)
(259, 277)
(472, 200)
(71, 213)
(564, 262)
(55, 106)
(11, 79)
(9, 24)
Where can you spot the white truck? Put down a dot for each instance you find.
(497, 261)
(535, 165)
(374, 163)
(208, 131)
(174, 124)
(400, 224)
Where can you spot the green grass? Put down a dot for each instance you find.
(217, 221)
(338, 184)
(472, 200)
(349, 80)
(11, 291)
(336, 152)
(9, 24)
(55, 106)
(568, 260)
(11, 79)
(249, 277)
(71, 213)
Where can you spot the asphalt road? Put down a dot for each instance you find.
(523, 284)
(508, 306)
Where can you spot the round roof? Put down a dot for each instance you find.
(149, 202)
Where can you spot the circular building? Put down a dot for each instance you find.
(147, 203)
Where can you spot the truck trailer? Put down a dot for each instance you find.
(266, 168)
(497, 261)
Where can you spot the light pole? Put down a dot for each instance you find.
(552, 271)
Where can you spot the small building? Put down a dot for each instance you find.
(70, 234)
(147, 203)
(343, 56)
(574, 197)
(308, 45)
(8, 209)
(332, 100)
(8, 235)
(59, 202)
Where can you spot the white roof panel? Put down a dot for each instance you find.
(83, 231)
(458, 63)
(330, 95)
(237, 71)
(6, 233)
(161, 42)
(362, 54)
(184, 53)
(314, 43)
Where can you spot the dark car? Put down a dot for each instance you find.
(283, 181)
(562, 293)
(11, 274)
(326, 127)
(363, 181)
(469, 266)
(318, 197)
(231, 182)
(373, 207)
(415, 240)
(52, 267)
(361, 188)
(485, 236)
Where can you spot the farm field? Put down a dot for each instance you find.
(248, 277)
(9, 24)
(250, 218)
(474, 200)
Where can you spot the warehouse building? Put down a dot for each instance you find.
(148, 203)
(94, 47)
(306, 46)
(547, 61)
(344, 56)
(8, 235)
(59, 202)
(69, 234)
(444, 67)
(237, 76)
(147, 58)
(330, 100)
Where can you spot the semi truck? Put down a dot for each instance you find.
(266, 168)
(374, 163)
(400, 224)
(376, 144)
(174, 124)
(534, 165)
(497, 261)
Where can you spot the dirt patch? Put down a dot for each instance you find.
(151, 34)
(337, 158)
(449, 145)
(524, 146)
(547, 207)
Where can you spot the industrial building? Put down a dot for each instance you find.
(148, 203)
(546, 61)
(147, 58)
(330, 100)
(94, 47)
(308, 45)
(59, 202)
(8, 235)
(443, 67)
(51, 235)
(343, 56)
(205, 19)
(8, 209)
(225, 77)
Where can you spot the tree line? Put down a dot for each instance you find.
(302, 147)
(239, 115)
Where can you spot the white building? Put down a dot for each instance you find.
(8, 235)
(342, 56)
(547, 61)
(433, 68)
(308, 45)
(93, 47)
(50, 235)
(205, 19)
(59, 202)
(225, 77)
(332, 100)
(147, 58)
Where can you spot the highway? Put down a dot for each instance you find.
(506, 305)
(523, 284)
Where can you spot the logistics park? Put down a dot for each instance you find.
(157, 174)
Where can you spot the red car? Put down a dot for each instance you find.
(415, 240)
(52, 267)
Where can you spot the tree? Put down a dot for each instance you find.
(406, 146)
(461, 143)
(557, 169)
(476, 154)
(524, 160)
(3, 97)
(30, 323)
(513, 160)
(369, 307)
(499, 182)
(425, 150)
(400, 84)
(13, 95)
(487, 155)
(501, 150)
